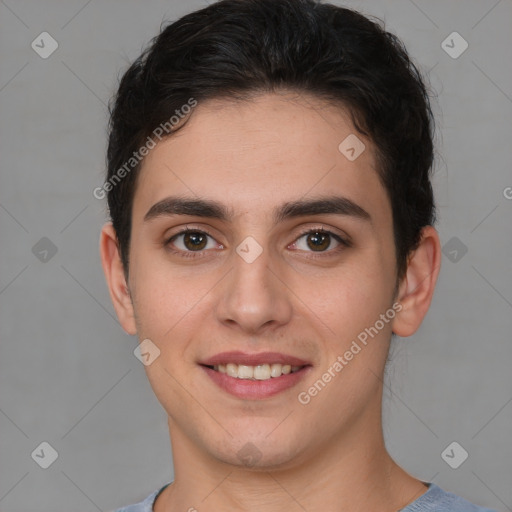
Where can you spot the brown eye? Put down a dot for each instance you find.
(195, 240)
(318, 241)
(189, 241)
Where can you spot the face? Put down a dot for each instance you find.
(257, 242)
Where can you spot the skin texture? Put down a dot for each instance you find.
(252, 157)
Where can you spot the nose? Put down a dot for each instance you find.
(254, 297)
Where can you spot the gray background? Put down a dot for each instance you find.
(68, 375)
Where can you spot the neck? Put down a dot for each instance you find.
(351, 472)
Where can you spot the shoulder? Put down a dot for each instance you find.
(438, 500)
(145, 505)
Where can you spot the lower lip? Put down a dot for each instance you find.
(256, 389)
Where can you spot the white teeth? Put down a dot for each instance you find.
(276, 370)
(245, 372)
(260, 372)
(231, 369)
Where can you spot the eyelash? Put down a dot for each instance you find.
(343, 243)
(314, 254)
(186, 254)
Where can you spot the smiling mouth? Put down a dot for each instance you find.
(259, 372)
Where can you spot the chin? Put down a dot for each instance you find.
(259, 451)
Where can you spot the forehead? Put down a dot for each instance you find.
(273, 148)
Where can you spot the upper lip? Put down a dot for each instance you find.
(244, 358)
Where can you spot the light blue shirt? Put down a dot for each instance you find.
(434, 500)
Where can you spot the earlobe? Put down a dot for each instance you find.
(115, 277)
(417, 287)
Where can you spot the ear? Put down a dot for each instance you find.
(417, 286)
(116, 281)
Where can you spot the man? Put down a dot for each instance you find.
(272, 226)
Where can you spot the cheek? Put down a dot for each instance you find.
(159, 299)
(169, 301)
(353, 296)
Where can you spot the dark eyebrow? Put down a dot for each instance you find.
(300, 208)
(324, 205)
(186, 206)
